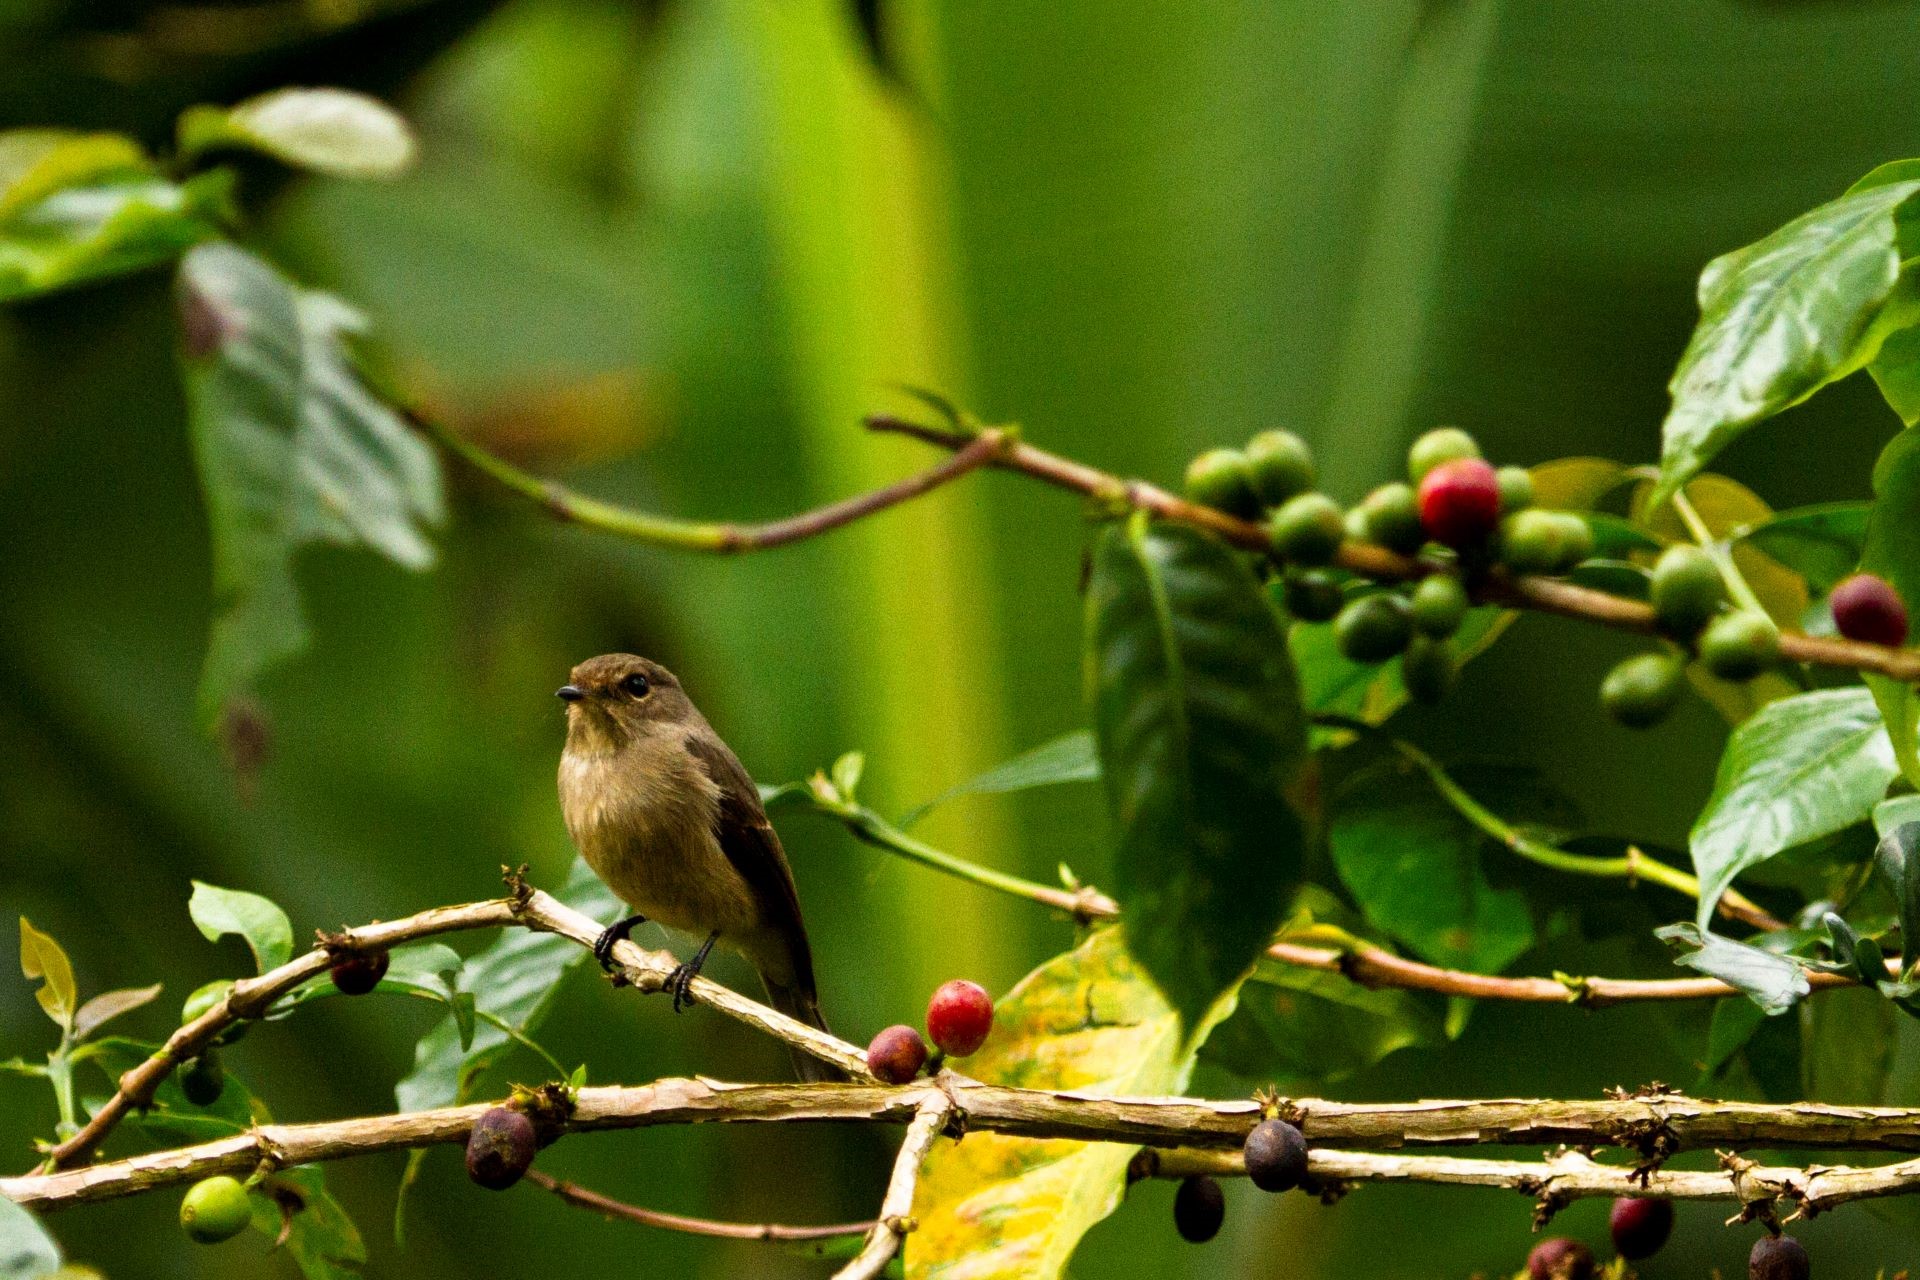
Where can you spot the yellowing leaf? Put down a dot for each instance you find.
(41, 957)
(991, 1206)
(1575, 484)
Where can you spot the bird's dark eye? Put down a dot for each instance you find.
(636, 684)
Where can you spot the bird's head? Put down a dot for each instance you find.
(618, 697)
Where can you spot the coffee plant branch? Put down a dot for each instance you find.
(608, 1207)
(1362, 962)
(526, 907)
(1651, 1125)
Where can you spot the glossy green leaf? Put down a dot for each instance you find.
(1772, 981)
(27, 1251)
(1781, 318)
(513, 979)
(1413, 865)
(1855, 954)
(1892, 550)
(1897, 859)
(1820, 543)
(109, 1005)
(995, 1207)
(1800, 768)
(43, 958)
(292, 449)
(1896, 371)
(259, 921)
(109, 227)
(332, 131)
(35, 163)
(1203, 748)
(1071, 757)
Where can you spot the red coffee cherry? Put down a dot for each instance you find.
(1460, 502)
(1778, 1258)
(959, 1017)
(500, 1148)
(1866, 607)
(1558, 1258)
(896, 1055)
(1640, 1227)
(357, 974)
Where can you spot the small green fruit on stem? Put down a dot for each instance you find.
(1373, 628)
(1641, 691)
(1223, 479)
(1687, 590)
(1313, 595)
(1440, 445)
(1308, 529)
(1740, 645)
(1282, 466)
(215, 1209)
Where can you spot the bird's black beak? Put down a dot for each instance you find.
(569, 693)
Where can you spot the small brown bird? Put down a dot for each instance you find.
(667, 816)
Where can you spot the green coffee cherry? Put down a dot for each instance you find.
(1308, 529)
(215, 1209)
(1282, 466)
(1642, 690)
(1439, 605)
(203, 999)
(1576, 540)
(1390, 516)
(1533, 541)
(1516, 489)
(1373, 628)
(1313, 595)
(1428, 669)
(1686, 590)
(1740, 645)
(1223, 479)
(1442, 444)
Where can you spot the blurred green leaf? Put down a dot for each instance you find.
(109, 1005)
(27, 1251)
(292, 449)
(1332, 682)
(321, 1239)
(1615, 577)
(1895, 812)
(994, 1207)
(1413, 865)
(1820, 543)
(1800, 768)
(108, 227)
(1071, 757)
(513, 979)
(1774, 982)
(331, 131)
(41, 957)
(1897, 859)
(1781, 318)
(259, 921)
(1299, 1029)
(35, 163)
(1892, 550)
(1203, 747)
(1856, 955)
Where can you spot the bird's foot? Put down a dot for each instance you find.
(680, 981)
(613, 934)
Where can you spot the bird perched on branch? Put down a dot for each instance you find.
(668, 817)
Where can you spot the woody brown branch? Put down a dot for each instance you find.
(608, 1207)
(1650, 1126)
(1526, 591)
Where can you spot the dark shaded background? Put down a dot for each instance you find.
(674, 252)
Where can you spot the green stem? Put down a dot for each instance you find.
(60, 1072)
(1633, 865)
(1721, 553)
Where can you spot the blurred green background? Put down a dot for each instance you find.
(673, 252)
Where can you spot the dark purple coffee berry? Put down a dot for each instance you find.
(1640, 1227)
(203, 1079)
(1778, 1258)
(1866, 607)
(1559, 1258)
(500, 1148)
(1276, 1156)
(359, 973)
(896, 1055)
(1199, 1207)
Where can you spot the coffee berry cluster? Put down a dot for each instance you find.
(1276, 1157)
(1639, 1228)
(959, 1016)
(1463, 519)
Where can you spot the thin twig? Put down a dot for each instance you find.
(896, 1208)
(1544, 595)
(701, 535)
(1364, 963)
(608, 1207)
(1652, 1125)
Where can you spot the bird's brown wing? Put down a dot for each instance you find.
(752, 846)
